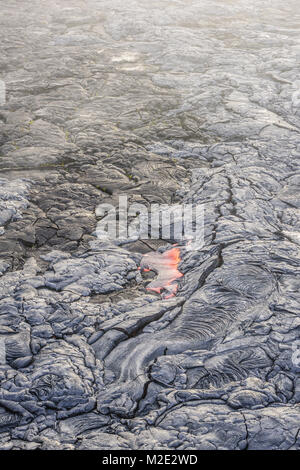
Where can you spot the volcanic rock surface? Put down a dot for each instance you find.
(167, 102)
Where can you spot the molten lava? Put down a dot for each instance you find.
(166, 266)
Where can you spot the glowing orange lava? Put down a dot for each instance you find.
(166, 266)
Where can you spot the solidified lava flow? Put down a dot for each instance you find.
(166, 266)
(187, 118)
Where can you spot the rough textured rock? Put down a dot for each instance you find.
(165, 102)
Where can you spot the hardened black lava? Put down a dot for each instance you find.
(169, 102)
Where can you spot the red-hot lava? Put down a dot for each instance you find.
(166, 266)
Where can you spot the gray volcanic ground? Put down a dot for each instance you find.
(167, 101)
